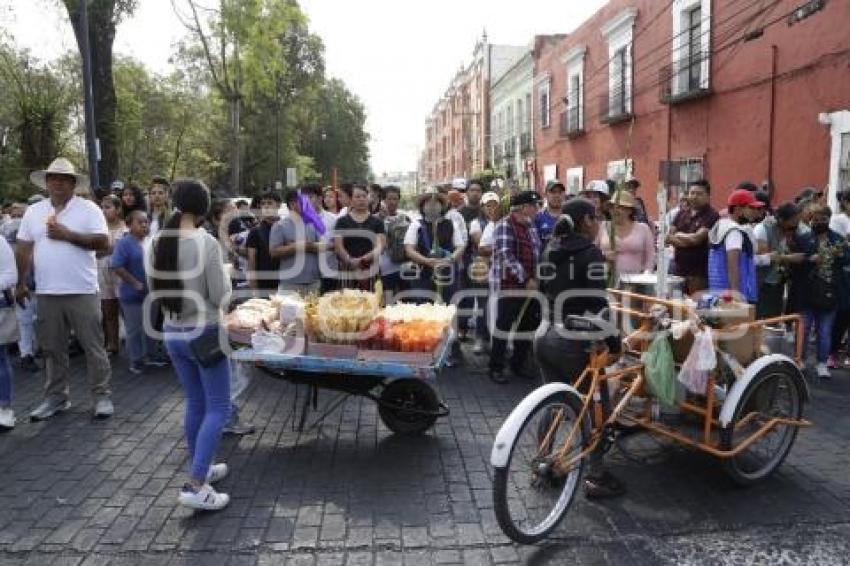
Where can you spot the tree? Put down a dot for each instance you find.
(35, 111)
(240, 46)
(168, 126)
(104, 17)
(335, 132)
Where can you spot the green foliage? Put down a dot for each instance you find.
(36, 102)
(335, 132)
(255, 57)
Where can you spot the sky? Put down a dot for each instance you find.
(398, 56)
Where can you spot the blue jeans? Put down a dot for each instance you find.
(5, 377)
(207, 398)
(822, 322)
(139, 345)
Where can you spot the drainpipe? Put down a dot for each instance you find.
(773, 51)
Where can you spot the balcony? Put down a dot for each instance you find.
(571, 123)
(685, 80)
(614, 107)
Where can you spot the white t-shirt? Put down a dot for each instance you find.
(62, 268)
(488, 236)
(459, 224)
(840, 223)
(475, 227)
(329, 220)
(734, 240)
(412, 235)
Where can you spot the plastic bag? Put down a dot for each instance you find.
(264, 341)
(700, 361)
(240, 377)
(660, 369)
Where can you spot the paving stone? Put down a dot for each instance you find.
(77, 492)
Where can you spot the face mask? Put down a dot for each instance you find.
(431, 211)
(743, 220)
(820, 228)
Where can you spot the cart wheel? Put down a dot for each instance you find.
(404, 404)
(774, 392)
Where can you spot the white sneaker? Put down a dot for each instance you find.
(216, 473)
(103, 409)
(823, 371)
(49, 408)
(205, 499)
(7, 419)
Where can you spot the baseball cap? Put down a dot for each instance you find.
(525, 197)
(489, 196)
(597, 187)
(743, 197)
(554, 184)
(459, 184)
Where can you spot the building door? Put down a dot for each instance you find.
(839, 161)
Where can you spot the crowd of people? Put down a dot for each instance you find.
(80, 271)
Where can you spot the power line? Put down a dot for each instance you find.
(662, 47)
(734, 28)
(737, 41)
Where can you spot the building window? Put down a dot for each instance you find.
(575, 180)
(844, 164)
(572, 120)
(618, 171)
(543, 89)
(688, 74)
(679, 174)
(617, 102)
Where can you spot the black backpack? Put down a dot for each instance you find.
(396, 230)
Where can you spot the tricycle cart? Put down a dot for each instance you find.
(407, 402)
(747, 416)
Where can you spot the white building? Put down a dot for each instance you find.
(511, 140)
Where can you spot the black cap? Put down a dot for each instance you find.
(525, 197)
(552, 185)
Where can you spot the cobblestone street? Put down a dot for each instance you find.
(73, 491)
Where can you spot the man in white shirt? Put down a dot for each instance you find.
(59, 237)
(394, 255)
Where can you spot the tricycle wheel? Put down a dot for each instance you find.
(531, 494)
(774, 392)
(408, 406)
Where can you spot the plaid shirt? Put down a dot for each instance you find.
(516, 251)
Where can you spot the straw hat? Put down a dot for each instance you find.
(59, 166)
(432, 193)
(623, 198)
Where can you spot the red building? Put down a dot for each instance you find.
(726, 89)
(457, 132)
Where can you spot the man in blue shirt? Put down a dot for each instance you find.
(545, 220)
(128, 262)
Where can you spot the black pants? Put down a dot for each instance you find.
(562, 360)
(507, 312)
(839, 329)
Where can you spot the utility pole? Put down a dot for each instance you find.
(91, 134)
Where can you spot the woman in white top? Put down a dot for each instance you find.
(108, 284)
(160, 207)
(483, 237)
(8, 331)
